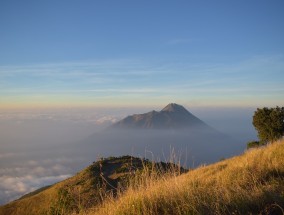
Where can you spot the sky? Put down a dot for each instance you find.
(141, 53)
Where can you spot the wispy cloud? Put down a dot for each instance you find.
(121, 78)
(78, 91)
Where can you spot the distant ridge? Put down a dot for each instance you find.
(173, 116)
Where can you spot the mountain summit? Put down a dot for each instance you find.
(173, 107)
(173, 116)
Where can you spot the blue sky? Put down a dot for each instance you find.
(127, 53)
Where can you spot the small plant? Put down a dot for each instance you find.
(63, 205)
(253, 144)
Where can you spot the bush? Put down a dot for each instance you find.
(253, 144)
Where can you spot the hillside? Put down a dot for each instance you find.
(252, 183)
(86, 189)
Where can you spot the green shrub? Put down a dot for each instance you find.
(253, 144)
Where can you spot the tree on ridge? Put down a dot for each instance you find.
(269, 123)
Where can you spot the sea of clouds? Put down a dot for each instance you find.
(36, 147)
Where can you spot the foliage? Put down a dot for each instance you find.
(63, 205)
(253, 144)
(269, 123)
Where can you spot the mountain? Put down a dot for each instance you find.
(173, 116)
(87, 188)
(158, 133)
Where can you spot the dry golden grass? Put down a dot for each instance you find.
(252, 183)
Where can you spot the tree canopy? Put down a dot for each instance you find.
(269, 123)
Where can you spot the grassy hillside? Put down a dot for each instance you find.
(86, 189)
(252, 183)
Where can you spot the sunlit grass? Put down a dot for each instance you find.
(250, 183)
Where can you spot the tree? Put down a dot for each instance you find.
(269, 123)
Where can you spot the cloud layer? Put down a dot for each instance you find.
(31, 175)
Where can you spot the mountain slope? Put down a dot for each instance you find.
(87, 188)
(252, 183)
(173, 116)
